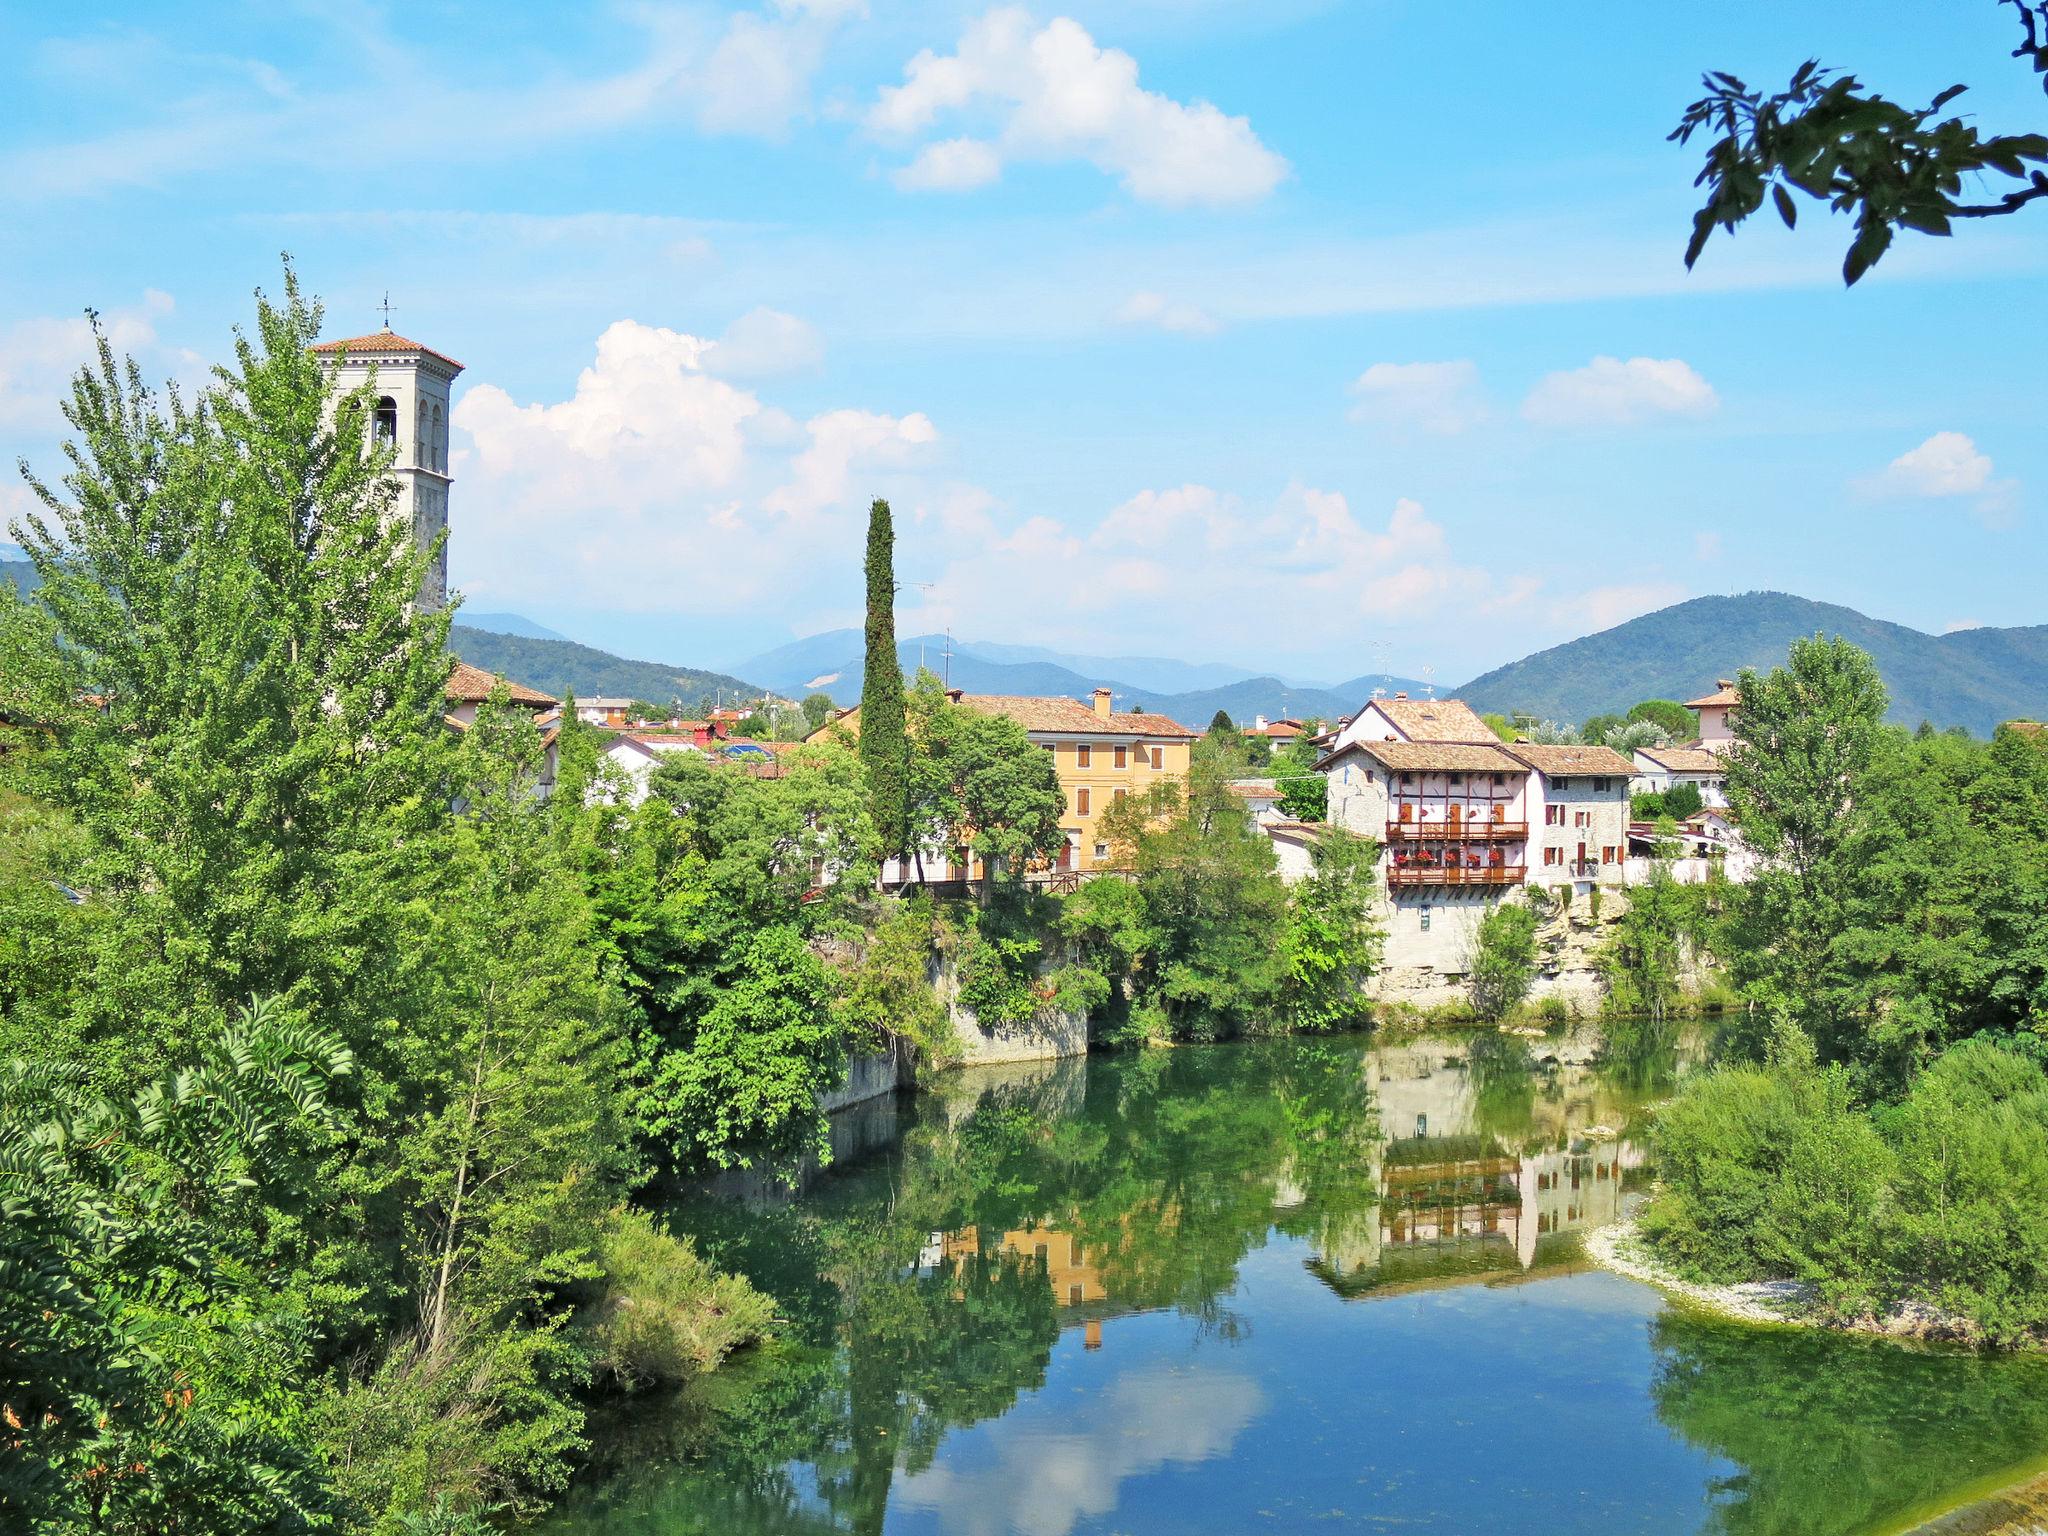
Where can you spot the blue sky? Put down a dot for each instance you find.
(1322, 337)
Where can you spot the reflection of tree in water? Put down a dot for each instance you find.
(1833, 1434)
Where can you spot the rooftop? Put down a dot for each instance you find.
(1724, 695)
(1557, 762)
(1047, 713)
(473, 685)
(1434, 719)
(1685, 759)
(386, 340)
(1437, 756)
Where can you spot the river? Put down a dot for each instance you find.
(1280, 1286)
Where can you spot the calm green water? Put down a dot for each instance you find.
(1273, 1287)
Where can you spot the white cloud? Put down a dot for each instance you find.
(764, 342)
(1947, 464)
(1155, 309)
(950, 165)
(657, 482)
(39, 356)
(1053, 94)
(1959, 625)
(1440, 398)
(1604, 607)
(1610, 392)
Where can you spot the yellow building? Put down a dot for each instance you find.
(1101, 754)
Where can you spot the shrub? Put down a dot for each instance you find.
(666, 1314)
(1503, 960)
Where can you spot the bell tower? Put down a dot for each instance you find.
(410, 412)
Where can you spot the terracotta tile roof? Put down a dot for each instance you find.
(1434, 756)
(1256, 791)
(2034, 729)
(381, 341)
(1556, 762)
(1685, 759)
(472, 685)
(1042, 712)
(1724, 694)
(1435, 719)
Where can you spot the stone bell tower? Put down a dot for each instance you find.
(410, 413)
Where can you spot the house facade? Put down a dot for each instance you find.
(1659, 768)
(1101, 755)
(1716, 713)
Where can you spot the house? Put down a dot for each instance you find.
(1659, 768)
(637, 753)
(1293, 847)
(469, 687)
(1708, 841)
(1261, 797)
(1714, 711)
(1577, 797)
(1279, 732)
(1101, 755)
(1404, 719)
(603, 711)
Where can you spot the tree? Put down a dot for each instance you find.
(1503, 963)
(1676, 720)
(1806, 736)
(884, 749)
(1642, 964)
(1824, 137)
(152, 1379)
(1305, 796)
(977, 782)
(240, 698)
(818, 708)
(1220, 724)
(1333, 945)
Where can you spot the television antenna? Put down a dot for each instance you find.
(386, 307)
(1429, 682)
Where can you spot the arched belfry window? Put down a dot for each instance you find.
(440, 442)
(384, 428)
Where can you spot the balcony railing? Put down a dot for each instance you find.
(1439, 874)
(1474, 831)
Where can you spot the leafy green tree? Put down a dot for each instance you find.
(1596, 728)
(1503, 963)
(1220, 724)
(1673, 717)
(1826, 138)
(151, 1377)
(1642, 964)
(1305, 796)
(1333, 944)
(1501, 726)
(1807, 735)
(884, 747)
(818, 708)
(977, 782)
(240, 697)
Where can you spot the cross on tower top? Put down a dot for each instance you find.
(386, 307)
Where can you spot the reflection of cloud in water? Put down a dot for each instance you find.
(1043, 1482)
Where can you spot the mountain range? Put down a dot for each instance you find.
(562, 667)
(1973, 678)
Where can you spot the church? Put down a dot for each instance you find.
(411, 414)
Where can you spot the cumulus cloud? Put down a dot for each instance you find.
(950, 165)
(38, 357)
(657, 478)
(1604, 607)
(1611, 392)
(1162, 313)
(1439, 398)
(1052, 93)
(764, 342)
(1948, 466)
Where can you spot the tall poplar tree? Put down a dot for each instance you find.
(884, 748)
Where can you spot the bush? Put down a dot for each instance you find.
(1503, 960)
(667, 1315)
(1771, 1172)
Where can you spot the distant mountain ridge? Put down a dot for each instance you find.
(1973, 678)
(509, 624)
(561, 667)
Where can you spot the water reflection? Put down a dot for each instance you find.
(1202, 1290)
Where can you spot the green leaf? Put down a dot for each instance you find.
(1786, 210)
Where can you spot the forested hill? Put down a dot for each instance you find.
(20, 572)
(562, 666)
(1973, 678)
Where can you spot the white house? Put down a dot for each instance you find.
(1659, 768)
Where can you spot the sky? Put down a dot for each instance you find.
(1315, 337)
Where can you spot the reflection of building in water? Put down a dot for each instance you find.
(1464, 1193)
(1076, 1283)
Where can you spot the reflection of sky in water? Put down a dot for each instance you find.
(1054, 1463)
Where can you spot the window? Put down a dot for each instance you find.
(1552, 857)
(440, 442)
(1159, 757)
(1600, 786)
(1050, 748)
(1083, 755)
(1116, 794)
(1123, 757)
(1607, 855)
(1553, 815)
(1582, 818)
(384, 426)
(1423, 917)
(1081, 801)
(1073, 1295)
(1101, 852)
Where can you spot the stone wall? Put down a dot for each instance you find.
(1428, 967)
(1047, 1038)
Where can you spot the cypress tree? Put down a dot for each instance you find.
(884, 751)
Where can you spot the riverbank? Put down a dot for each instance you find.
(1620, 1248)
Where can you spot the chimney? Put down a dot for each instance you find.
(1259, 723)
(1724, 682)
(955, 694)
(1102, 703)
(1399, 697)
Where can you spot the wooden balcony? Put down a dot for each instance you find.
(1476, 830)
(1400, 875)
